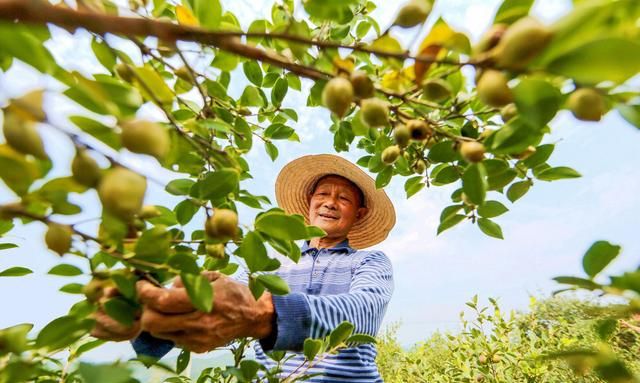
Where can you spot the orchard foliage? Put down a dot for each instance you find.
(494, 346)
(448, 112)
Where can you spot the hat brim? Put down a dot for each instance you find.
(297, 178)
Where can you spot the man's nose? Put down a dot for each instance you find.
(330, 202)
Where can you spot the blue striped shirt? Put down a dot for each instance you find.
(328, 286)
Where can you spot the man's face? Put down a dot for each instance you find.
(335, 206)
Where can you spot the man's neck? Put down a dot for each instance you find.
(326, 242)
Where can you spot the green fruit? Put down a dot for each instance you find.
(167, 48)
(413, 13)
(58, 238)
(420, 167)
(22, 135)
(472, 151)
(215, 250)
(85, 169)
(338, 95)
(362, 84)
(521, 43)
(483, 359)
(121, 192)
(419, 130)
(124, 72)
(29, 106)
(145, 137)
(436, 90)
(466, 200)
(508, 112)
(222, 225)
(374, 112)
(94, 290)
(401, 135)
(149, 211)
(390, 154)
(491, 38)
(493, 89)
(587, 104)
(496, 358)
(184, 73)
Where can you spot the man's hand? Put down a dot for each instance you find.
(108, 328)
(169, 314)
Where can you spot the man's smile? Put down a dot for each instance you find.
(327, 216)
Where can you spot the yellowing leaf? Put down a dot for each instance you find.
(344, 65)
(397, 80)
(185, 16)
(441, 36)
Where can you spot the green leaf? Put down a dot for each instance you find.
(183, 361)
(121, 310)
(491, 209)
(542, 154)
(340, 334)
(251, 97)
(517, 190)
(282, 226)
(450, 222)
(537, 101)
(63, 331)
(218, 184)
(606, 328)
(105, 373)
(445, 175)
(224, 60)
(65, 270)
(103, 54)
(512, 10)
(249, 369)
(330, 10)
(243, 135)
(5, 226)
(599, 255)
(294, 81)
(360, 338)
(72, 288)
(279, 91)
(7, 246)
(17, 40)
(253, 72)
(256, 288)
(199, 290)
(414, 185)
(311, 348)
(17, 170)
(514, 137)
(253, 251)
(126, 285)
(17, 271)
(15, 338)
(490, 228)
(208, 12)
(442, 152)
(474, 183)
(449, 212)
(631, 113)
(98, 130)
(578, 282)
(271, 150)
(384, 177)
(593, 62)
(278, 131)
(274, 284)
(153, 245)
(558, 173)
(185, 211)
(152, 85)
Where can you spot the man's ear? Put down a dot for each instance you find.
(361, 213)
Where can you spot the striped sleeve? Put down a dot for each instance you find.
(300, 316)
(365, 303)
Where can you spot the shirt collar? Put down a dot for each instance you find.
(340, 247)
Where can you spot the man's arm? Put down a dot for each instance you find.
(300, 316)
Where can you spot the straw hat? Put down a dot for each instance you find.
(296, 179)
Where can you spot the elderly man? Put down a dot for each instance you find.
(333, 281)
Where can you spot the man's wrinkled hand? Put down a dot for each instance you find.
(169, 314)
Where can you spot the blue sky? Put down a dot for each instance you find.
(546, 232)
